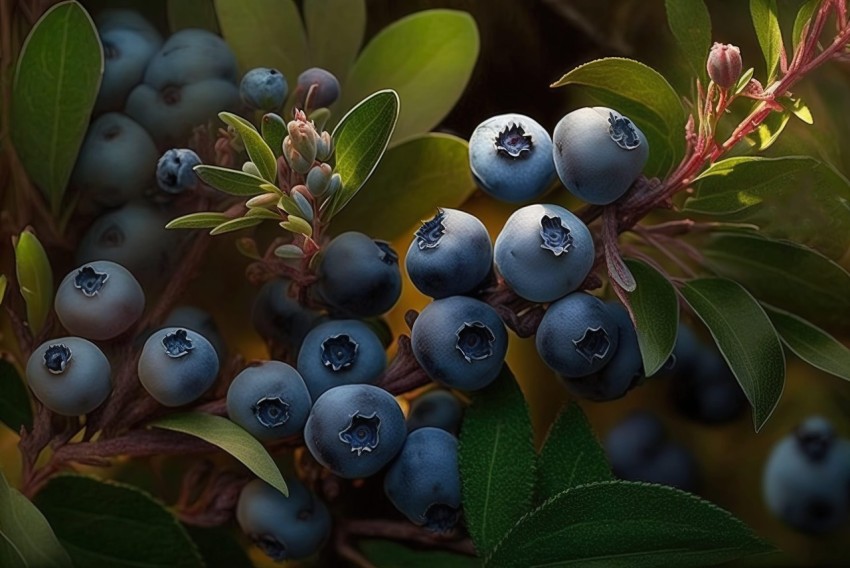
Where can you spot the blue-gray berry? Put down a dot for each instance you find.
(263, 88)
(175, 170)
(177, 366)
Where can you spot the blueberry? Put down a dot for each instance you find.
(511, 158)
(451, 254)
(577, 336)
(191, 56)
(285, 528)
(438, 408)
(110, 20)
(355, 430)
(126, 53)
(177, 366)
(279, 317)
(99, 300)
(686, 353)
(622, 373)
(598, 153)
(69, 375)
(359, 276)
(175, 170)
(326, 92)
(709, 393)
(190, 317)
(806, 481)
(424, 480)
(263, 89)
(460, 342)
(340, 352)
(135, 237)
(269, 399)
(639, 450)
(116, 162)
(544, 252)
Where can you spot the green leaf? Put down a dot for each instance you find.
(55, 87)
(35, 279)
(236, 225)
(273, 129)
(257, 149)
(804, 16)
(15, 409)
(691, 26)
(642, 94)
(783, 274)
(184, 14)
(262, 213)
(289, 251)
(335, 30)
(218, 547)
(626, 524)
(811, 344)
(799, 109)
(746, 338)
(406, 187)
(108, 524)
(230, 181)
(571, 455)
(735, 184)
(4, 283)
(297, 225)
(768, 131)
(26, 539)
(497, 458)
(427, 58)
(360, 140)
(229, 437)
(205, 220)
(656, 310)
(265, 33)
(389, 554)
(766, 24)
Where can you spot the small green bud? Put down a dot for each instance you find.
(251, 168)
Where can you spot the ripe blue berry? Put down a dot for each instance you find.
(577, 336)
(639, 450)
(99, 300)
(340, 352)
(544, 252)
(424, 480)
(709, 393)
(460, 342)
(359, 276)
(807, 478)
(355, 430)
(175, 170)
(279, 317)
(126, 53)
(177, 366)
(269, 399)
(511, 158)
(190, 317)
(285, 528)
(263, 89)
(438, 408)
(598, 153)
(451, 254)
(69, 375)
(325, 93)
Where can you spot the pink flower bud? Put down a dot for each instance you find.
(724, 64)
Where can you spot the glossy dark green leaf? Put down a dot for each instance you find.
(804, 16)
(112, 525)
(335, 30)
(407, 187)
(571, 455)
(205, 220)
(625, 524)
(265, 33)
(55, 87)
(427, 58)
(184, 14)
(35, 279)
(812, 344)
(15, 408)
(746, 338)
(26, 539)
(691, 26)
(258, 150)
(219, 547)
(229, 437)
(766, 24)
(656, 310)
(389, 554)
(234, 182)
(361, 138)
(783, 274)
(497, 461)
(273, 129)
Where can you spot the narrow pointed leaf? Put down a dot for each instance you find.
(207, 220)
(237, 225)
(230, 181)
(35, 279)
(812, 344)
(766, 23)
(257, 148)
(691, 26)
(656, 309)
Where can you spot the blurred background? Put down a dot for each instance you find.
(526, 46)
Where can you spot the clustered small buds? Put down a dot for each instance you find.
(724, 64)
